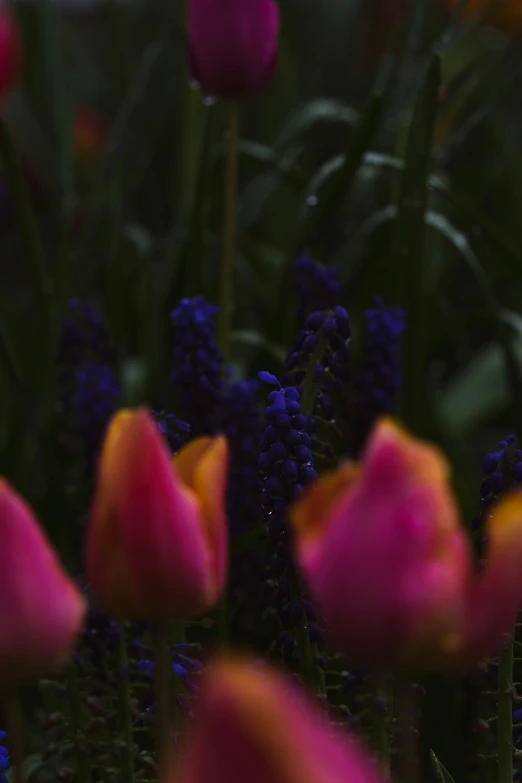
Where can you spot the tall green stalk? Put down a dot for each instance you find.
(229, 232)
(83, 767)
(124, 709)
(505, 715)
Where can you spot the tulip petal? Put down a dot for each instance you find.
(311, 512)
(388, 568)
(147, 555)
(254, 726)
(232, 45)
(203, 466)
(494, 600)
(42, 610)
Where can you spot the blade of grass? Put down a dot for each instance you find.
(409, 251)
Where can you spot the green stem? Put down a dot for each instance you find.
(124, 709)
(408, 761)
(382, 720)
(13, 713)
(505, 716)
(163, 688)
(77, 724)
(229, 232)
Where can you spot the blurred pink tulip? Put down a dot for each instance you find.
(156, 543)
(254, 726)
(233, 47)
(10, 51)
(42, 610)
(390, 568)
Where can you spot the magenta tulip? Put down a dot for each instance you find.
(42, 610)
(233, 49)
(390, 568)
(253, 726)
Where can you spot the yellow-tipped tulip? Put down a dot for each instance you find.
(156, 544)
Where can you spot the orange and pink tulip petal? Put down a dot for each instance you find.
(42, 610)
(390, 568)
(253, 725)
(156, 544)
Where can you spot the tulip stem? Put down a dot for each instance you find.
(505, 715)
(229, 232)
(163, 672)
(124, 708)
(77, 725)
(382, 718)
(409, 759)
(13, 713)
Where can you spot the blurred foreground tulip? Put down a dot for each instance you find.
(390, 568)
(156, 543)
(253, 726)
(233, 48)
(42, 610)
(505, 15)
(10, 51)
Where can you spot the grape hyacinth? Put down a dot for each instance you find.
(379, 378)
(286, 466)
(241, 423)
(4, 758)
(89, 389)
(93, 404)
(175, 431)
(317, 287)
(319, 361)
(196, 365)
(502, 470)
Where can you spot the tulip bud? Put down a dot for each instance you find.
(390, 568)
(42, 610)
(233, 50)
(10, 51)
(156, 542)
(254, 726)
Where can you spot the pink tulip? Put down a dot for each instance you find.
(10, 51)
(233, 49)
(42, 610)
(253, 726)
(156, 543)
(390, 568)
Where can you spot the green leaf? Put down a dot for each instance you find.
(254, 339)
(28, 232)
(441, 773)
(307, 117)
(408, 257)
(335, 187)
(479, 390)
